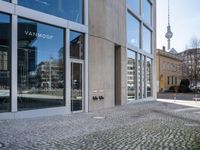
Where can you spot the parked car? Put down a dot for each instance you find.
(195, 88)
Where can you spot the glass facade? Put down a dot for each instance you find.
(139, 43)
(140, 79)
(44, 75)
(5, 60)
(40, 65)
(76, 45)
(131, 72)
(139, 76)
(136, 25)
(143, 77)
(147, 11)
(133, 31)
(135, 5)
(67, 9)
(146, 40)
(149, 77)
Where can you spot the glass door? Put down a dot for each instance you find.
(77, 86)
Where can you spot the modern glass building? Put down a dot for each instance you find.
(56, 58)
(140, 48)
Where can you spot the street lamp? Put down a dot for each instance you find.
(51, 59)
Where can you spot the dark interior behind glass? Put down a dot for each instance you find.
(5, 66)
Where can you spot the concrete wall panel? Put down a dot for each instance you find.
(101, 73)
(108, 20)
(107, 28)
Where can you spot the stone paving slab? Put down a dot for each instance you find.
(150, 125)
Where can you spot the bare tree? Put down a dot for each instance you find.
(191, 62)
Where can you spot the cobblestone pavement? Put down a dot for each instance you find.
(149, 125)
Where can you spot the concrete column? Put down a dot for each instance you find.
(120, 76)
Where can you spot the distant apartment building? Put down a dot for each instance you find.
(131, 76)
(191, 65)
(169, 69)
(49, 75)
(66, 56)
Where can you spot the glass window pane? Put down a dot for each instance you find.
(139, 76)
(133, 31)
(131, 75)
(147, 40)
(67, 9)
(146, 11)
(76, 45)
(76, 87)
(135, 5)
(149, 77)
(40, 65)
(5, 67)
(143, 77)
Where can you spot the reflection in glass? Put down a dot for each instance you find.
(146, 11)
(143, 77)
(67, 9)
(149, 75)
(133, 31)
(139, 76)
(6, 0)
(135, 5)
(76, 87)
(40, 65)
(131, 73)
(5, 39)
(76, 45)
(147, 40)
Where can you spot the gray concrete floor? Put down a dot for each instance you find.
(148, 125)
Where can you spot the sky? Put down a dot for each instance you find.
(185, 22)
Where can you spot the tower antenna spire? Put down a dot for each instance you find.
(169, 33)
(168, 12)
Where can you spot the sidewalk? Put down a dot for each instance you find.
(190, 103)
(179, 96)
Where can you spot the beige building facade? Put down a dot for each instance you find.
(169, 71)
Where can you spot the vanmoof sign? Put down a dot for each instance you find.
(38, 35)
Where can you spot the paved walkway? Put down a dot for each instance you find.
(150, 125)
(179, 96)
(190, 103)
